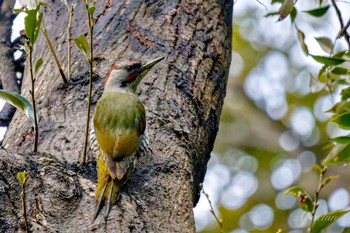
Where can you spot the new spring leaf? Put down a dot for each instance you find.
(319, 12)
(82, 44)
(32, 23)
(286, 8)
(22, 177)
(19, 102)
(38, 63)
(326, 220)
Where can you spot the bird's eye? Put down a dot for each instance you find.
(129, 68)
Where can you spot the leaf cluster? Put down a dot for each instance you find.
(335, 70)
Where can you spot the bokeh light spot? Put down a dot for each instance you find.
(302, 121)
(307, 159)
(339, 199)
(284, 175)
(261, 216)
(288, 141)
(243, 185)
(299, 219)
(284, 202)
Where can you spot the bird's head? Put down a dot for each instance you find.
(127, 75)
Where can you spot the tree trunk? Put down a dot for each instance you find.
(183, 95)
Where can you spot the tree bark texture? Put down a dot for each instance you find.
(183, 95)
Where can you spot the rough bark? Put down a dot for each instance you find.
(7, 66)
(183, 95)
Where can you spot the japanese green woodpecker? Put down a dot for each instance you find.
(119, 124)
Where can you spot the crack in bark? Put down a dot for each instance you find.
(106, 7)
(144, 40)
(177, 7)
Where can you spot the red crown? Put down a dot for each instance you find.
(109, 73)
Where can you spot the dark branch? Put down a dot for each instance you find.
(343, 28)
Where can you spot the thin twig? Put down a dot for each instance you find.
(32, 93)
(262, 5)
(69, 38)
(219, 221)
(24, 208)
(343, 30)
(52, 50)
(91, 27)
(317, 193)
(340, 18)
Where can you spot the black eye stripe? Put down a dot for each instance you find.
(133, 66)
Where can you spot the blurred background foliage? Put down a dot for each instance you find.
(273, 125)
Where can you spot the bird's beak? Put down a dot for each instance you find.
(149, 64)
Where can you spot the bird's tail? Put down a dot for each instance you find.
(107, 191)
(111, 175)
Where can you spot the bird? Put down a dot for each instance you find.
(119, 123)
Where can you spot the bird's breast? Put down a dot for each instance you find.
(119, 121)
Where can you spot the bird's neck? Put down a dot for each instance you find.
(111, 89)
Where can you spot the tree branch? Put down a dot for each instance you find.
(343, 30)
(342, 27)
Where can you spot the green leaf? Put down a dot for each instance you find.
(305, 202)
(82, 44)
(321, 77)
(318, 12)
(19, 102)
(342, 139)
(301, 39)
(17, 11)
(276, 1)
(295, 191)
(22, 177)
(317, 168)
(293, 14)
(340, 54)
(340, 71)
(331, 61)
(342, 120)
(325, 43)
(340, 107)
(338, 155)
(43, 4)
(328, 180)
(286, 8)
(345, 93)
(38, 63)
(272, 14)
(26, 46)
(30, 23)
(91, 9)
(38, 25)
(326, 220)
